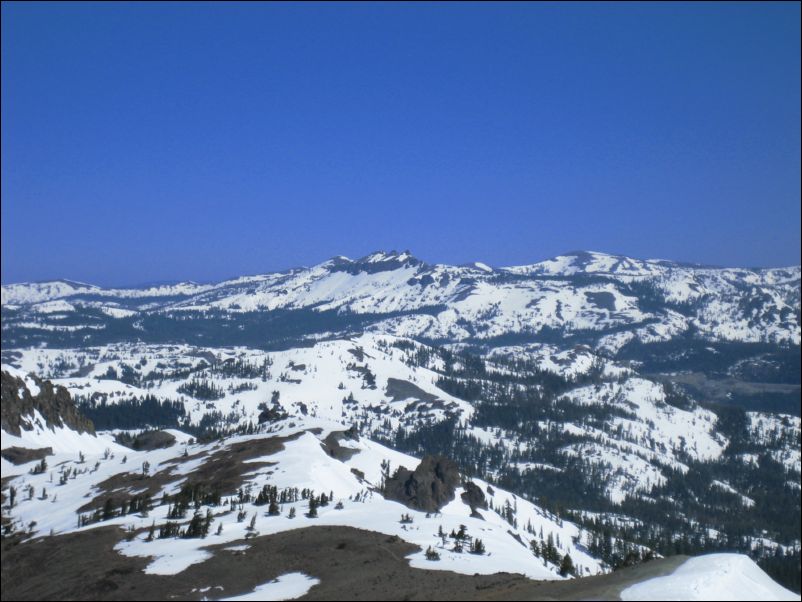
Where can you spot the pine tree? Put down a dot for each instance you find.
(108, 509)
(567, 566)
(550, 552)
(195, 527)
(207, 523)
(385, 473)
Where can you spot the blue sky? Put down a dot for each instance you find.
(174, 141)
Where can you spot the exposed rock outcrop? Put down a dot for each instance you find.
(52, 402)
(430, 487)
(474, 497)
(22, 455)
(333, 447)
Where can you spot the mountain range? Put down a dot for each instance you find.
(608, 301)
(593, 407)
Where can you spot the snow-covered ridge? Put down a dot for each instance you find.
(591, 262)
(583, 262)
(620, 298)
(594, 262)
(712, 577)
(302, 463)
(38, 292)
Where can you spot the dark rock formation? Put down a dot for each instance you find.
(23, 455)
(52, 402)
(332, 445)
(430, 487)
(474, 497)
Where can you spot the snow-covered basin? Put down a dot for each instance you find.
(712, 577)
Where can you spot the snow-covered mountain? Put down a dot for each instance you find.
(90, 480)
(372, 381)
(607, 301)
(616, 435)
(626, 407)
(176, 507)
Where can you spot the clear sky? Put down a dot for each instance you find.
(200, 141)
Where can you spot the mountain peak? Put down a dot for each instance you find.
(378, 261)
(384, 256)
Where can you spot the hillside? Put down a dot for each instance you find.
(186, 513)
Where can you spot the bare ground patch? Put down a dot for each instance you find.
(224, 470)
(351, 564)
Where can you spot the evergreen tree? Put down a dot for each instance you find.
(567, 566)
(108, 509)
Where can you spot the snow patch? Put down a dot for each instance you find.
(711, 577)
(285, 587)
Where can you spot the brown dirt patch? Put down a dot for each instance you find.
(351, 564)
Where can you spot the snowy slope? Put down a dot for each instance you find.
(712, 577)
(641, 438)
(327, 380)
(369, 381)
(653, 436)
(302, 463)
